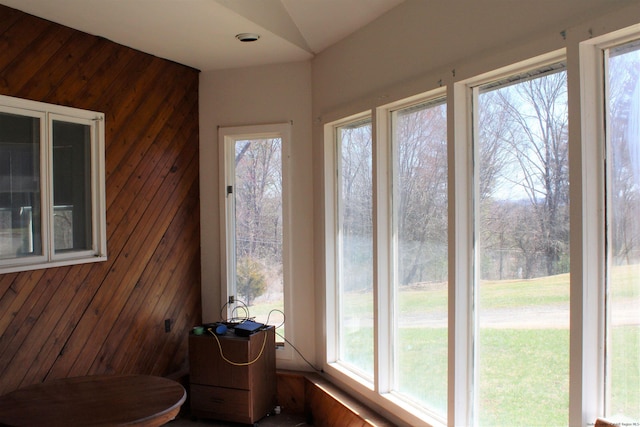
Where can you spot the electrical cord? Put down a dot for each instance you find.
(248, 317)
(240, 305)
(289, 342)
(284, 318)
(298, 351)
(264, 342)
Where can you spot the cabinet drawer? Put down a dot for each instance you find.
(221, 403)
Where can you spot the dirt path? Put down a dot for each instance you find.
(625, 312)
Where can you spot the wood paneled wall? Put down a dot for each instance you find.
(109, 317)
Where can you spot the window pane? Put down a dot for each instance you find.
(623, 287)
(258, 202)
(20, 211)
(71, 186)
(522, 294)
(355, 252)
(420, 219)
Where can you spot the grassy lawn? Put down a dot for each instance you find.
(625, 376)
(523, 373)
(524, 377)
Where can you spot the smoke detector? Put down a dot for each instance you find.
(247, 37)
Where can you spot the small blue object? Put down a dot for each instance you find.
(221, 329)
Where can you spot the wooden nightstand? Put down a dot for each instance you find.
(241, 388)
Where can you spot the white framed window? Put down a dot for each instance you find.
(351, 327)
(419, 252)
(543, 301)
(622, 323)
(387, 293)
(521, 233)
(611, 300)
(255, 222)
(52, 185)
(511, 181)
(615, 61)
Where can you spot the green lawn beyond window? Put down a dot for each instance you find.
(525, 372)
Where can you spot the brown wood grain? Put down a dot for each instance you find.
(113, 400)
(108, 317)
(233, 378)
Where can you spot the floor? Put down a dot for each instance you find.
(184, 419)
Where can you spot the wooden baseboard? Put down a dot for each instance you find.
(323, 403)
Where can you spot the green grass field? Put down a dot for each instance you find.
(523, 373)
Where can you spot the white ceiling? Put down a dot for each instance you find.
(201, 33)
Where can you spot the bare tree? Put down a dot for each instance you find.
(624, 175)
(542, 154)
(356, 205)
(420, 142)
(526, 165)
(258, 204)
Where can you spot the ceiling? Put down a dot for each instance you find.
(201, 33)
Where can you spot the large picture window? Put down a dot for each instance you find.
(354, 335)
(390, 263)
(622, 324)
(420, 279)
(51, 185)
(522, 230)
(499, 285)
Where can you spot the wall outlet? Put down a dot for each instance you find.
(167, 325)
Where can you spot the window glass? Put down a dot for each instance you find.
(420, 222)
(355, 247)
(623, 219)
(20, 196)
(259, 268)
(522, 220)
(71, 186)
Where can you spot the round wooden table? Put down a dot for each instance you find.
(104, 400)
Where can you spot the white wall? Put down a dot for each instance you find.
(420, 42)
(251, 96)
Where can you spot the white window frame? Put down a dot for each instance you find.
(471, 86)
(587, 156)
(47, 113)
(387, 217)
(332, 224)
(381, 391)
(227, 137)
(589, 401)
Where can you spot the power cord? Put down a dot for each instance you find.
(264, 342)
(247, 316)
(234, 318)
(298, 351)
(289, 342)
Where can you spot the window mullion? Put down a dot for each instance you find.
(586, 397)
(229, 194)
(383, 248)
(46, 168)
(460, 258)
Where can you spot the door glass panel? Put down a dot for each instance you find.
(259, 231)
